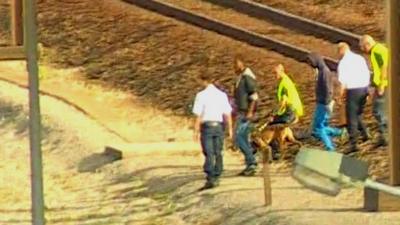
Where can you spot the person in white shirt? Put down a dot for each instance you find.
(212, 110)
(354, 77)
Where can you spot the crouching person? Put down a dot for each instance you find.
(211, 108)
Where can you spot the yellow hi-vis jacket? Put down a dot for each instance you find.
(379, 58)
(287, 90)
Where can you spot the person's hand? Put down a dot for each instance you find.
(249, 115)
(230, 134)
(381, 91)
(196, 136)
(330, 106)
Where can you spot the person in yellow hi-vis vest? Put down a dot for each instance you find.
(379, 57)
(290, 105)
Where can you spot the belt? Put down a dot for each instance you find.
(211, 123)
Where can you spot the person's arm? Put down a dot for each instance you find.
(197, 123)
(228, 119)
(384, 72)
(227, 110)
(251, 87)
(198, 111)
(342, 83)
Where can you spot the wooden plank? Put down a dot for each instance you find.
(267, 179)
(17, 33)
(12, 53)
(394, 92)
(377, 201)
(155, 148)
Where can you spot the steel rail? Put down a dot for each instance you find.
(229, 30)
(288, 20)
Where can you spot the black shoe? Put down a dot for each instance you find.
(365, 137)
(351, 150)
(381, 142)
(276, 156)
(207, 185)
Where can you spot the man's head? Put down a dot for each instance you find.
(366, 43)
(279, 71)
(206, 78)
(239, 66)
(342, 48)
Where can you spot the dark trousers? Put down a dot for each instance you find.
(212, 140)
(355, 103)
(379, 111)
(287, 117)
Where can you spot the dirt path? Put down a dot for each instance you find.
(120, 113)
(146, 190)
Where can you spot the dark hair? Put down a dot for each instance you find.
(206, 77)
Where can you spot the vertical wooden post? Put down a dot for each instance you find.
(394, 92)
(267, 179)
(30, 41)
(16, 23)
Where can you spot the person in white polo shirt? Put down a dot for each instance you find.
(212, 110)
(354, 76)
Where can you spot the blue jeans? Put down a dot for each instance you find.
(321, 128)
(242, 133)
(212, 141)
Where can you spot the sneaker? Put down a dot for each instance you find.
(249, 171)
(381, 142)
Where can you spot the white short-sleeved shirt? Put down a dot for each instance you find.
(353, 71)
(211, 104)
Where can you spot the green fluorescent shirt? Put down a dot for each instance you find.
(287, 90)
(379, 58)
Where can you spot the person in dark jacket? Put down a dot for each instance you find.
(246, 97)
(324, 103)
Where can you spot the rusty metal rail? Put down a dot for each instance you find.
(229, 30)
(285, 19)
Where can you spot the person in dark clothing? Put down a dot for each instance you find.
(246, 97)
(324, 103)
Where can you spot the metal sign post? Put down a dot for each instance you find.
(394, 93)
(30, 41)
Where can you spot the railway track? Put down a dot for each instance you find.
(218, 19)
(229, 30)
(289, 20)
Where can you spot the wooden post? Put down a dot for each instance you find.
(394, 92)
(267, 179)
(30, 42)
(16, 23)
